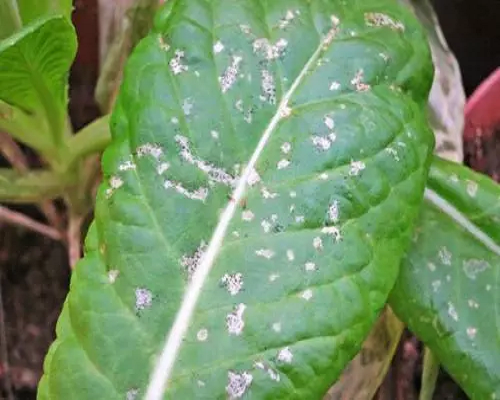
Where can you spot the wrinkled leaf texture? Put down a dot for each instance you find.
(313, 243)
(448, 289)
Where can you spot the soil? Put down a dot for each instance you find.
(34, 271)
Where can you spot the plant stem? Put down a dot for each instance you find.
(74, 239)
(13, 153)
(429, 375)
(17, 218)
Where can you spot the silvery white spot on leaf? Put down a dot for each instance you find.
(191, 262)
(245, 29)
(431, 266)
(273, 277)
(317, 243)
(233, 283)
(126, 166)
(356, 167)
(234, 320)
(282, 164)
(290, 255)
(253, 177)
(174, 120)
(333, 211)
(452, 312)
(276, 327)
(293, 194)
(214, 134)
(163, 45)
(286, 147)
(380, 19)
(358, 83)
(448, 278)
(238, 384)
(143, 299)
(285, 355)
(162, 167)
(228, 78)
(272, 373)
(267, 194)
(300, 219)
(236, 234)
(202, 335)
(383, 56)
(472, 188)
(323, 143)
(333, 231)
(393, 152)
(149, 149)
(471, 332)
(269, 51)
(329, 122)
(473, 267)
(473, 303)
(215, 174)
(310, 266)
(488, 287)
(307, 294)
(268, 87)
(454, 178)
(115, 182)
(323, 176)
(132, 394)
(199, 194)
(444, 256)
(218, 47)
(266, 253)
(284, 22)
(266, 225)
(436, 285)
(187, 106)
(334, 86)
(176, 63)
(112, 275)
(274, 217)
(247, 215)
(200, 383)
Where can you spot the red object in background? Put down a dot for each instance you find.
(482, 111)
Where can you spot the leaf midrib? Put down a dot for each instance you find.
(166, 361)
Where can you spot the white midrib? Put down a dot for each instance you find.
(168, 355)
(451, 211)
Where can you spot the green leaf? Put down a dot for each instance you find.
(34, 186)
(448, 288)
(267, 164)
(14, 14)
(34, 65)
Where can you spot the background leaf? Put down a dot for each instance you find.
(14, 14)
(34, 65)
(448, 289)
(287, 303)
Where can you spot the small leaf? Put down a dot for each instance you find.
(34, 65)
(267, 164)
(447, 291)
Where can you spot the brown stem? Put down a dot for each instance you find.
(15, 156)
(74, 239)
(17, 218)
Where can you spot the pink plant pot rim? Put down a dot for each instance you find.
(482, 111)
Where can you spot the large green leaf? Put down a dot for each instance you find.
(14, 14)
(267, 164)
(448, 289)
(34, 65)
